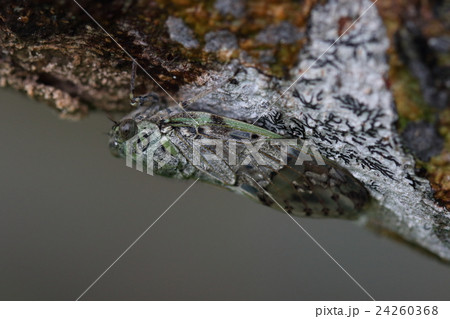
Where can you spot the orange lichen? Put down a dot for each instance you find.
(203, 18)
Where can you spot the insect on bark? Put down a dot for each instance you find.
(244, 158)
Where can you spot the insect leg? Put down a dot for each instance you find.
(147, 100)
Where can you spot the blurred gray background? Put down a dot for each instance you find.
(69, 209)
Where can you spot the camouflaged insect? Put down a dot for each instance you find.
(309, 189)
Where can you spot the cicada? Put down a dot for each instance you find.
(241, 157)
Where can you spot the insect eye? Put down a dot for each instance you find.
(128, 129)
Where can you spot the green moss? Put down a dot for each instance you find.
(411, 105)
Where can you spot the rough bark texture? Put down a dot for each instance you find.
(54, 51)
(246, 53)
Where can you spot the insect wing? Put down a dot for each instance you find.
(199, 152)
(315, 190)
(312, 188)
